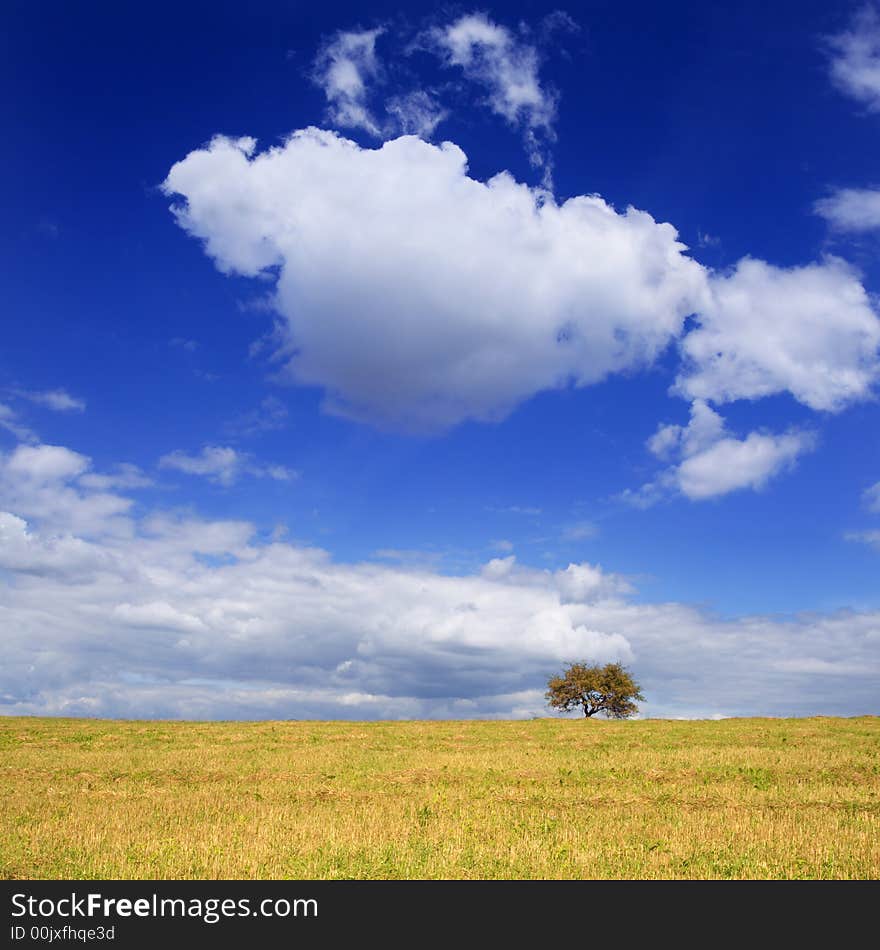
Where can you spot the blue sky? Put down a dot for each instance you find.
(362, 362)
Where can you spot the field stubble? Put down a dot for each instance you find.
(749, 798)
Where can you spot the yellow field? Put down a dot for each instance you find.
(795, 798)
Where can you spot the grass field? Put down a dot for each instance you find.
(796, 798)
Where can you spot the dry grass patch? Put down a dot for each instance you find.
(542, 799)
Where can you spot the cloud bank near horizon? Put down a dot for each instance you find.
(168, 615)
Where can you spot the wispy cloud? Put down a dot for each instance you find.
(223, 465)
(412, 557)
(871, 537)
(124, 476)
(414, 113)
(10, 422)
(349, 70)
(855, 58)
(580, 531)
(269, 416)
(855, 70)
(517, 510)
(59, 400)
(871, 497)
(502, 545)
(507, 67)
(853, 210)
(48, 228)
(363, 91)
(343, 69)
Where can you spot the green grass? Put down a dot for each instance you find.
(747, 798)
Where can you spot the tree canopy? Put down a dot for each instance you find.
(608, 689)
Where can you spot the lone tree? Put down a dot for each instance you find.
(608, 689)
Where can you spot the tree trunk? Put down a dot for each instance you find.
(588, 712)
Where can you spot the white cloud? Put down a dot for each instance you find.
(502, 544)
(65, 556)
(414, 113)
(871, 497)
(855, 69)
(506, 293)
(223, 465)
(178, 537)
(9, 421)
(351, 74)
(851, 209)
(711, 462)
(125, 475)
(40, 482)
(277, 617)
(158, 615)
(349, 71)
(705, 428)
(664, 442)
(420, 297)
(865, 537)
(577, 583)
(413, 557)
(269, 416)
(855, 61)
(506, 67)
(189, 618)
(343, 69)
(57, 399)
(218, 463)
(583, 583)
(281, 473)
(42, 464)
(731, 464)
(809, 331)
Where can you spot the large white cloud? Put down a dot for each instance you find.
(184, 617)
(416, 295)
